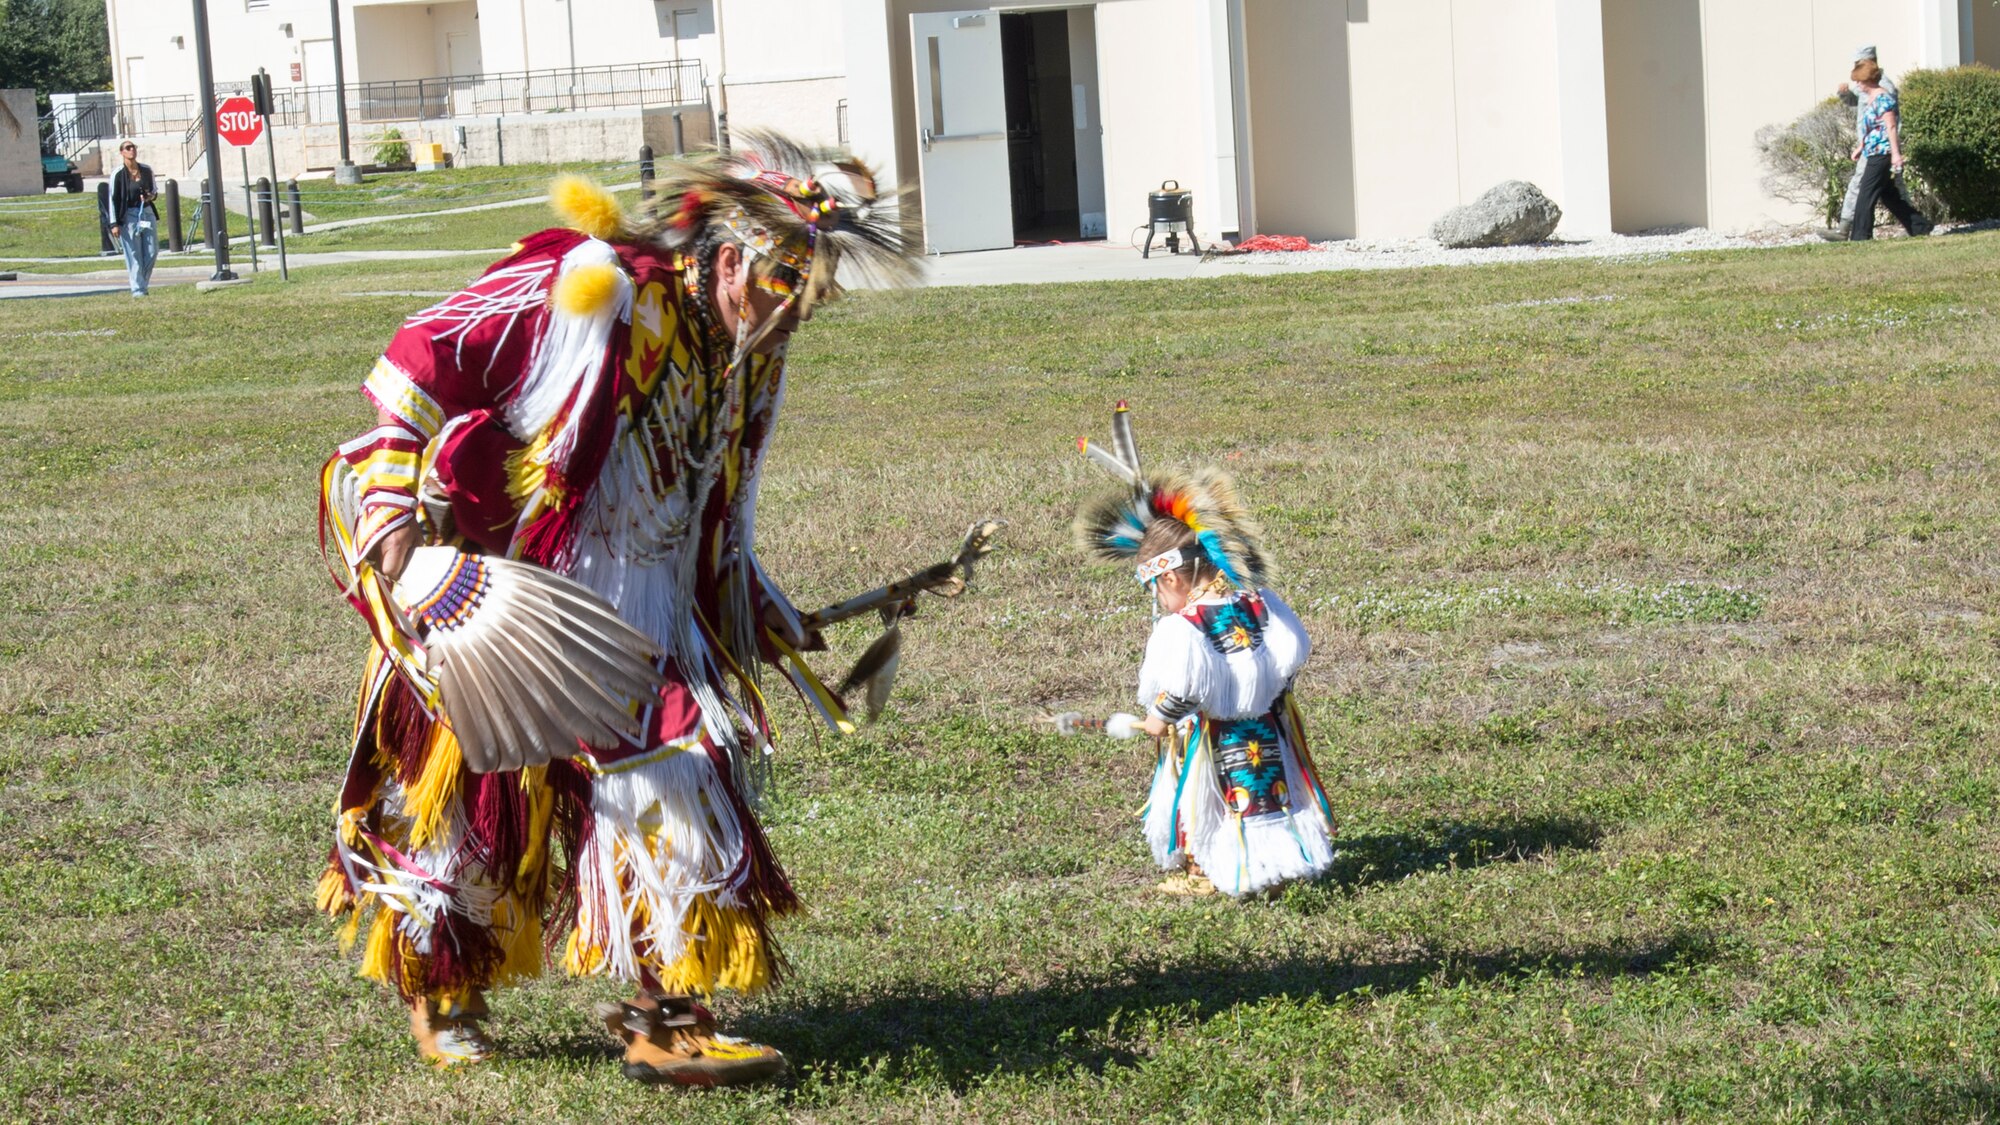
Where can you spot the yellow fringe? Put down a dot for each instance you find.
(580, 960)
(523, 942)
(528, 473)
(350, 930)
(725, 950)
(332, 895)
(541, 808)
(427, 801)
(376, 961)
(584, 205)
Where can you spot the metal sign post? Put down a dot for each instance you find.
(261, 87)
(249, 207)
(205, 71)
(238, 122)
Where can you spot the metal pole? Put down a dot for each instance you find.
(271, 192)
(344, 172)
(249, 207)
(569, 12)
(205, 69)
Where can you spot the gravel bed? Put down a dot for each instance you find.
(1408, 253)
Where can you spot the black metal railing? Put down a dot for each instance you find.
(418, 99)
(71, 129)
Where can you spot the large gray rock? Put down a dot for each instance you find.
(1509, 214)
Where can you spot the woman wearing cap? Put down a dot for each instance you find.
(1881, 151)
(132, 218)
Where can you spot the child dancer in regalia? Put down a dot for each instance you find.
(1235, 800)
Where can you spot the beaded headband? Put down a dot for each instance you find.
(1158, 565)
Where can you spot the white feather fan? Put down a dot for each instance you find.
(528, 663)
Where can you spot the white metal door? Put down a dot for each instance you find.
(461, 54)
(317, 54)
(962, 131)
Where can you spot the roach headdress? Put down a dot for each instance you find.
(800, 213)
(1205, 501)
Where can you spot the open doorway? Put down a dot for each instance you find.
(1048, 72)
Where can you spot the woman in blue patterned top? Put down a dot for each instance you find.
(1881, 148)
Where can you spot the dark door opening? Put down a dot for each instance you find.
(1041, 136)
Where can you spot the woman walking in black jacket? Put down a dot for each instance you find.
(133, 219)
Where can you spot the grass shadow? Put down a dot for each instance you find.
(1448, 846)
(1073, 1022)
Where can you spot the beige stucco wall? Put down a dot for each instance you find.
(1372, 119)
(1504, 87)
(1654, 119)
(1152, 128)
(1767, 63)
(1301, 144)
(805, 108)
(20, 146)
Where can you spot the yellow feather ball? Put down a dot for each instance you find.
(584, 205)
(587, 290)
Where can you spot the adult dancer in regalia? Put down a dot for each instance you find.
(550, 531)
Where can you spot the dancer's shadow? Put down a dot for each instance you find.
(1073, 1022)
(1448, 845)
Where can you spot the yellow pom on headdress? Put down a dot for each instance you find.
(587, 290)
(584, 205)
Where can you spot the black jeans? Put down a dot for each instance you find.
(1878, 186)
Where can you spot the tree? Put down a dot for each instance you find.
(54, 46)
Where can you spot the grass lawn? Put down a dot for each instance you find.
(1656, 689)
(48, 226)
(397, 192)
(472, 230)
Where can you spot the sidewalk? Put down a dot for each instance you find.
(1021, 265)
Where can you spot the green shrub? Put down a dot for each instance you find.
(1810, 160)
(391, 148)
(1951, 137)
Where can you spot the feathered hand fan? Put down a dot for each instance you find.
(528, 664)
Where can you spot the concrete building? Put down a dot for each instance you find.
(20, 148)
(1047, 119)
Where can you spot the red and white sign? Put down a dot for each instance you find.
(236, 119)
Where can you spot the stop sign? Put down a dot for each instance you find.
(236, 119)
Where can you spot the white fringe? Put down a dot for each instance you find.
(507, 292)
(1159, 816)
(467, 890)
(697, 843)
(569, 357)
(1241, 855)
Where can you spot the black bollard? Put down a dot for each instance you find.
(298, 211)
(104, 224)
(645, 171)
(207, 216)
(267, 208)
(173, 194)
(680, 135)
